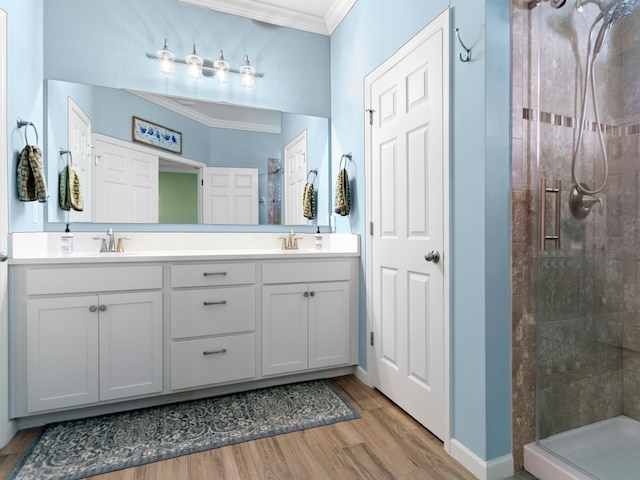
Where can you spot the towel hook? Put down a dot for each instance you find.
(67, 152)
(24, 123)
(315, 172)
(347, 156)
(467, 55)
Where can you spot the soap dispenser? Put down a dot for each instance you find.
(67, 241)
(318, 239)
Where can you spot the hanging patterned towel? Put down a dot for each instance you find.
(343, 196)
(309, 202)
(31, 181)
(70, 194)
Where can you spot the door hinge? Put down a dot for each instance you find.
(371, 338)
(370, 115)
(371, 228)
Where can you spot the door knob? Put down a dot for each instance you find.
(432, 256)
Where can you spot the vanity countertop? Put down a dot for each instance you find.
(44, 248)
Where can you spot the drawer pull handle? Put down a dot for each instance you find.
(210, 274)
(221, 302)
(214, 352)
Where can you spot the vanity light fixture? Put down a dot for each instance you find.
(194, 65)
(222, 68)
(247, 74)
(165, 58)
(198, 67)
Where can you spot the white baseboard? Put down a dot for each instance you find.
(362, 375)
(496, 469)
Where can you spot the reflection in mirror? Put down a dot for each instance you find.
(220, 144)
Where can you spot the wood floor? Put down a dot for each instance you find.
(384, 444)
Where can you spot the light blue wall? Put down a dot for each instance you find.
(479, 175)
(104, 43)
(24, 98)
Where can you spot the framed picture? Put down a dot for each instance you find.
(154, 135)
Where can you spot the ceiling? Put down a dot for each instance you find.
(316, 16)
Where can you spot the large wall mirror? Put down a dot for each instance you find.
(281, 151)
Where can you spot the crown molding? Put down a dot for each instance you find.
(277, 15)
(184, 109)
(337, 12)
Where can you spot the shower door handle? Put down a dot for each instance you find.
(543, 213)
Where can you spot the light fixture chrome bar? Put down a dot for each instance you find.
(206, 67)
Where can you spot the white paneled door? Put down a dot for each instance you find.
(7, 428)
(79, 143)
(295, 177)
(230, 196)
(407, 162)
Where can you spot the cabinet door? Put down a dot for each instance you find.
(62, 352)
(329, 327)
(284, 328)
(130, 344)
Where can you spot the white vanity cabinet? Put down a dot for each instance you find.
(90, 335)
(213, 323)
(306, 316)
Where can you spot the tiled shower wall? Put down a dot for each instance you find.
(579, 301)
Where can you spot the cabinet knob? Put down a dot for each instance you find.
(102, 308)
(313, 294)
(305, 294)
(92, 308)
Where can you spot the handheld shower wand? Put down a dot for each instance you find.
(582, 198)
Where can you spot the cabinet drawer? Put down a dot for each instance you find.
(213, 311)
(303, 272)
(195, 363)
(46, 281)
(212, 274)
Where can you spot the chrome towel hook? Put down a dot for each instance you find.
(467, 55)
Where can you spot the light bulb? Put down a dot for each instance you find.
(222, 68)
(166, 60)
(194, 65)
(247, 74)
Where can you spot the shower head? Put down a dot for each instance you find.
(615, 11)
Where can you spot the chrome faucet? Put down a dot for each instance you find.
(112, 241)
(111, 246)
(290, 242)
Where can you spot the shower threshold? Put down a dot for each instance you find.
(608, 450)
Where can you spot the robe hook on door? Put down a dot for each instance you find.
(467, 55)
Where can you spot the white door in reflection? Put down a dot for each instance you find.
(230, 196)
(295, 177)
(79, 142)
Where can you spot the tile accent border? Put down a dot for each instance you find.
(566, 121)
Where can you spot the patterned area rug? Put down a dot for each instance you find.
(81, 448)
